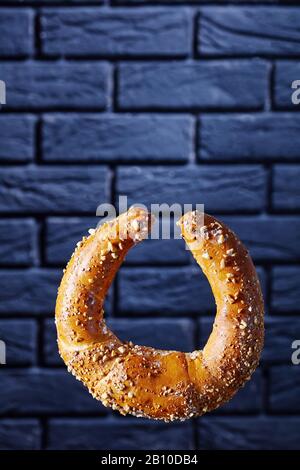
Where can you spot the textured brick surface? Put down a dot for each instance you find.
(55, 85)
(285, 293)
(211, 186)
(30, 291)
(284, 386)
(48, 189)
(115, 137)
(280, 334)
(20, 338)
(45, 392)
(176, 101)
(249, 137)
(285, 74)
(255, 233)
(121, 32)
(17, 29)
(286, 192)
(248, 31)
(17, 138)
(63, 233)
(169, 291)
(263, 433)
(20, 434)
(119, 434)
(18, 242)
(208, 85)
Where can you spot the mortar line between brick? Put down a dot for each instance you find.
(37, 35)
(269, 105)
(44, 432)
(194, 32)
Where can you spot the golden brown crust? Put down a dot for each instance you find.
(141, 380)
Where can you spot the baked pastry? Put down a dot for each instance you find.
(141, 380)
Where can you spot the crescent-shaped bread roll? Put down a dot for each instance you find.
(141, 380)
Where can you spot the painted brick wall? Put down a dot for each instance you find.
(177, 102)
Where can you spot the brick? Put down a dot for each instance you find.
(159, 252)
(56, 85)
(212, 186)
(18, 242)
(48, 189)
(20, 434)
(117, 138)
(248, 31)
(50, 350)
(249, 433)
(285, 73)
(20, 338)
(284, 389)
(286, 191)
(280, 334)
(62, 234)
(169, 290)
(249, 137)
(285, 289)
(43, 392)
(16, 32)
(255, 233)
(173, 290)
(119, 434)
(198, 85)
(17, 138)
(152, 32)
(29, 291)
(175, 334)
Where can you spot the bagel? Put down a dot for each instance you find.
(141, 380)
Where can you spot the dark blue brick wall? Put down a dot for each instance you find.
(185, 101)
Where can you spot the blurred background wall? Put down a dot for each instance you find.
(187, 103)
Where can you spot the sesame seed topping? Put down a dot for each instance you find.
(230, 252)
(220, 239)
(135, 225)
